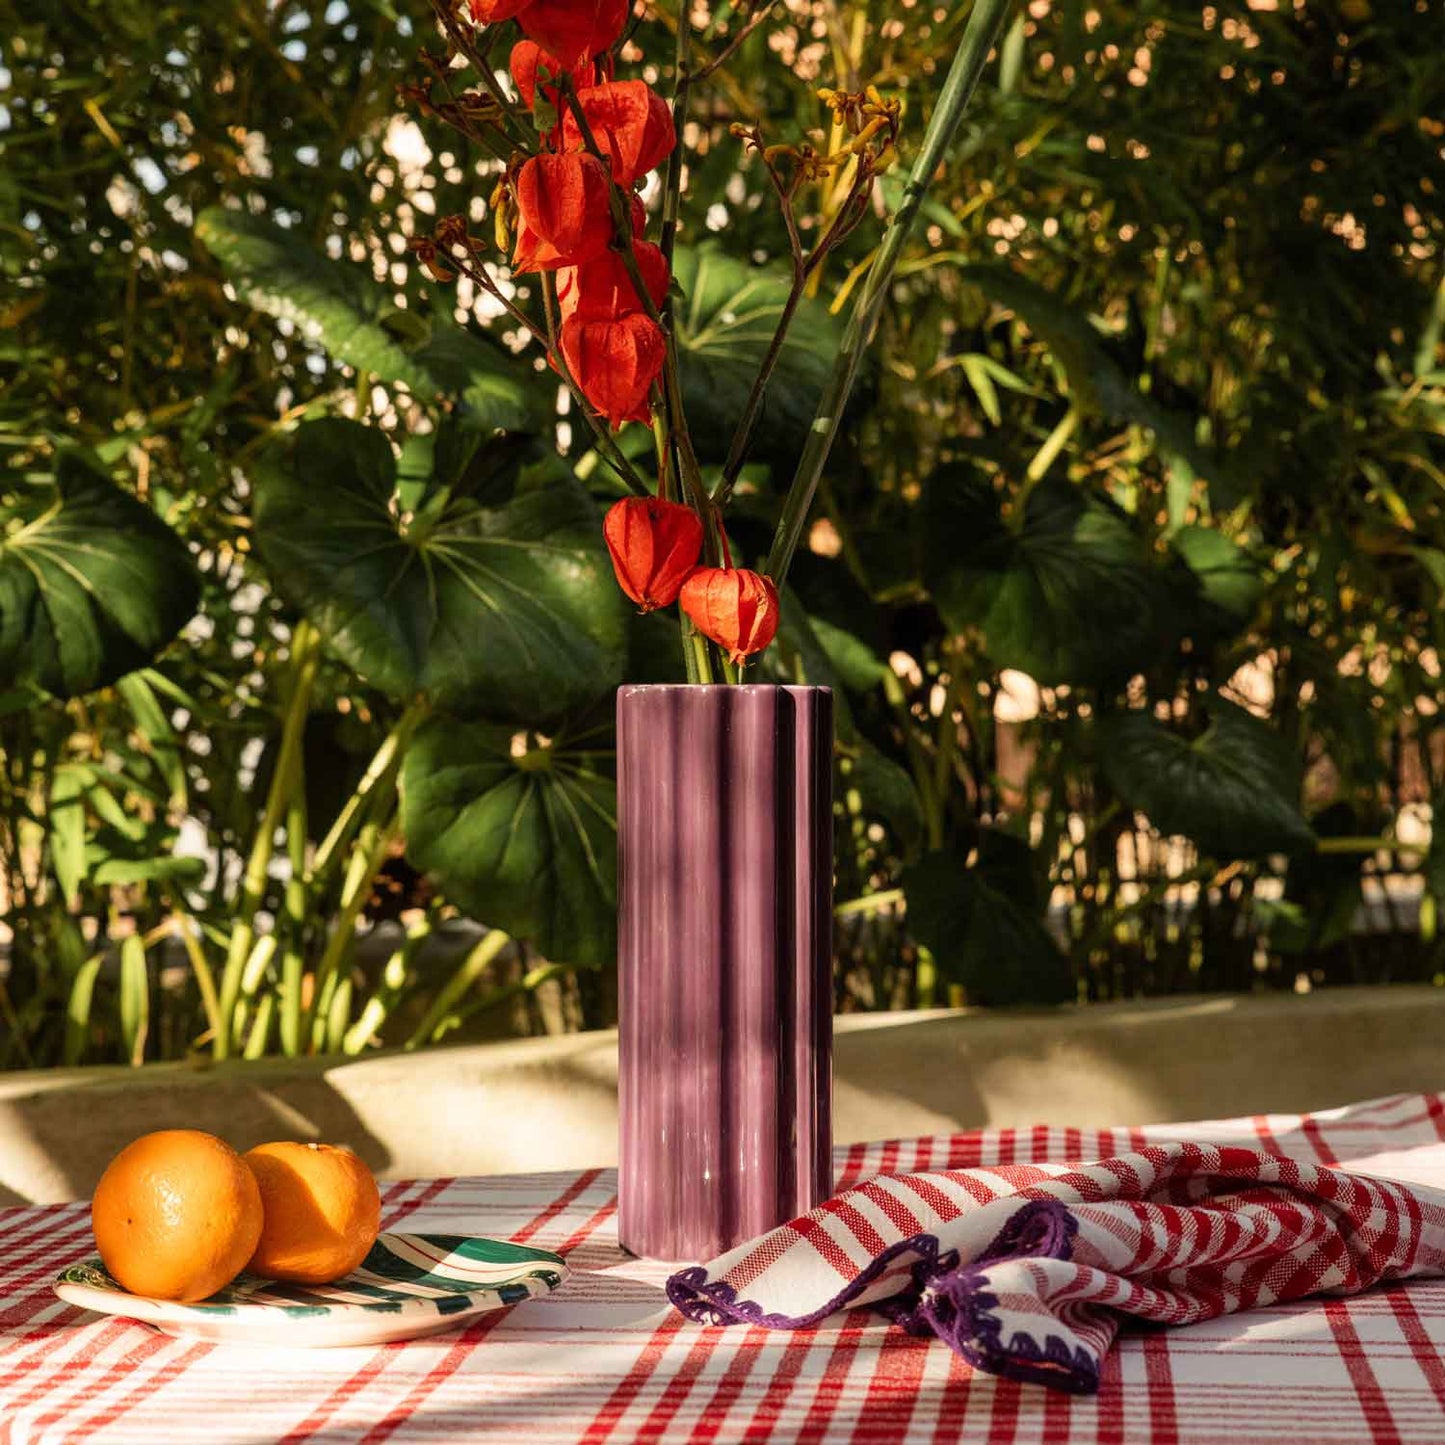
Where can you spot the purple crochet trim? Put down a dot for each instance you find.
(715, 1302)
(950, 1302)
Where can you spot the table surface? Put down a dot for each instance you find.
(599, 1361)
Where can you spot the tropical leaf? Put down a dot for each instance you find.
(725, 322)
(135, 998)
(879, 788)
(510, 610)
(1230, 583)
(67, 826)
(92, 583)
(983, 923)
(338, 305)
(527, 844)
(1069, 597)
(1098, 384)
(1232, 790)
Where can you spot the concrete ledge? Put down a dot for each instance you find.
(536, 1104)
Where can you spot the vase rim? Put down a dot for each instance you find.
(628, 688)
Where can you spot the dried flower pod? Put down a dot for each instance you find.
(602, 289)
(733, 607)
(528, 60)
(615, 362)
(631, 124)
(654, 546)
(574, 30)
(564, 211)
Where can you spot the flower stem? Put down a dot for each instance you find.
(978, 38)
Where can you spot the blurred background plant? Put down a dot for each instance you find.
(1128, 569)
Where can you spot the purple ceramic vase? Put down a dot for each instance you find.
(725, 975)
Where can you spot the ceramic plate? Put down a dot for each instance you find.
(409, 1285)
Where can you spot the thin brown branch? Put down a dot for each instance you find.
(477, 58)
(757, 18)
(607, 447)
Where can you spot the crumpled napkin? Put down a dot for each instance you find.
(1027, 1271)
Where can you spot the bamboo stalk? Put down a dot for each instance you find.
(305, 655)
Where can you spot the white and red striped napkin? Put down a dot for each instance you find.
(1027, 1271)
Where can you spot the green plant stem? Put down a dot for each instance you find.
(285, 777)
(369, 853)
(870, 903)
(472, 967)
(296, 909)
(978, 38)
(376, 782)
(672, 181)
(205, 980)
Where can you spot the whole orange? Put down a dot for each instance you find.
(322, 1212)
(176, 1215)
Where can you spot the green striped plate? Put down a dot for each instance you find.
(409, 1285)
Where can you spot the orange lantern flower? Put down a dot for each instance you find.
(564, 209)
(528, 60)
(654, 546)
(615, 362)
(602, 289)
(631, 124)
(493, 12)
(574, 30)
(732, 606)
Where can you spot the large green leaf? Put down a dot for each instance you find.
(1069, 597)
(340, 307)
(1098, 384)
(92, 583)
(725, 323)
(880, 788)
(527, 844)
(1232, 790)
(983, 923)
(1230, 584)
(508, 610)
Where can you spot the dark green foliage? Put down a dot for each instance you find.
(510, 612)
(1232, 789)
(527, 841)
(92, 583)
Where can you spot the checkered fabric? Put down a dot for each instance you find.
(1026, 1269)
(605, 1360)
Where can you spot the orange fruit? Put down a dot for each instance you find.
(322, 1212)
(176, 1215)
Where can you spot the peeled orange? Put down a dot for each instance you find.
(322, 1212)
(176, 1215)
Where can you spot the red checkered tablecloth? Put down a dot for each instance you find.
(596, 1362)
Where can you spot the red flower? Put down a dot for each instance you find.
(615, 363)
(528, 58)
(654, 545)
(493, 12)
(601, 290)
(574, 30)
(564, 205)
(631, 124)
(736, 608)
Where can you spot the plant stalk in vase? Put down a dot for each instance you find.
(725, 793)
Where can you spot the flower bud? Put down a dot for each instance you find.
(654, 545)
(615, 362)
(733, 607)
